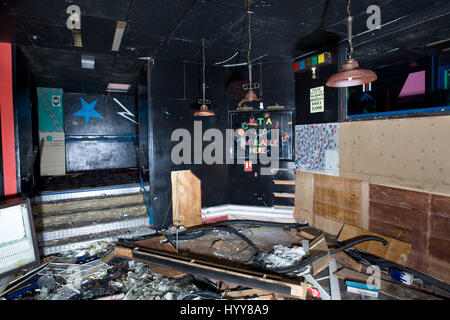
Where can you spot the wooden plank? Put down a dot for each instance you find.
(186, 199)
(284, 182)
(248, 293)
(406, 218)
(318, 246)
(245, 277)
(438, 260)
(123, 252)
(440, 216)
(395, 251)
(349, 261)
(337, 198)
(397, 197)
(388, 288)
(165, 271)
(418, 241)
(154, 243)
(351, 186)
(304, 196)
(365, 205)
(329, 210)
(328, 225)
(284, 195)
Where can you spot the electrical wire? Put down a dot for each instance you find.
(203, 231)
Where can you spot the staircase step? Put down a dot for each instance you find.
(94, 203)
(84, 218)
(83, 241)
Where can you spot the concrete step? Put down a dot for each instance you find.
(47, 247)
(77, 205)
(80, 218)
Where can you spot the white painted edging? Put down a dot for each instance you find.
(233, 212)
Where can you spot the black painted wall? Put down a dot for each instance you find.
(26, 118)
(276, 86)
(303, 83)
(100, 143)
(173, 90)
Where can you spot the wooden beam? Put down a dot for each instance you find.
(284, 182)
(284, 195)
(243, 277)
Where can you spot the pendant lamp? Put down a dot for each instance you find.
(203, 111)
(350, 74)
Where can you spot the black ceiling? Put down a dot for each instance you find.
(172, 29)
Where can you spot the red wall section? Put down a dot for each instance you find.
(7, 120)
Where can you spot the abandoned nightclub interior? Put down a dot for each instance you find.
(224, 150)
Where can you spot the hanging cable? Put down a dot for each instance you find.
(249, 53)
(349, 29)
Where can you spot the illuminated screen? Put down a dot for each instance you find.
(16, 241)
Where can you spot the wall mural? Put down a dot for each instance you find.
(317, 148)
(88, 110)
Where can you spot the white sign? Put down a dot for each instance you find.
(316, 99)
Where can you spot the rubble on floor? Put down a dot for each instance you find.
(72, 276)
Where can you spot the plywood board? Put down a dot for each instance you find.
(395, 251)
(304, 196)
(317, 246)
(53, 153)
(409, 153)
(338, 199)
(186, 199)
(403, 215)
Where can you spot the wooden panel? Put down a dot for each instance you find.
(395, 251)
(440, 217)
(337, 198)
(304, 196)
(410, 153)
(347, 185)
(186, 199)
(403, 215)
(328, 225)
(418, 240)
(400, 217)
(399, 197)
(336, 213)
(438, 262)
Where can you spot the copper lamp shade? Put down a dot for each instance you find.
(351, 75)
(204, 112)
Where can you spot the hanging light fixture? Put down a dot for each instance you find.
(204, 111)
(350, 74)
(250, 86)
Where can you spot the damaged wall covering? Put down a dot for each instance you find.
(411, 153)
(418, 218)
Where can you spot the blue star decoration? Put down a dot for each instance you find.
(88, 111)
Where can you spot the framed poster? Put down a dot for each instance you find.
(261, 143)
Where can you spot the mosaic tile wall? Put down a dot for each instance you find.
(317, 148)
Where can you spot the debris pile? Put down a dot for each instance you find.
(89, 274)
(283, 256)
